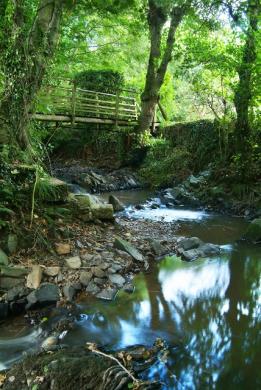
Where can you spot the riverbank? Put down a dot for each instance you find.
(150, 301)
(93, 256)
(87, 250)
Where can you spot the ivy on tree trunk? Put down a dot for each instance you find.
(27, 47)
(243, 93)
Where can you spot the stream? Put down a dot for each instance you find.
(208, 311)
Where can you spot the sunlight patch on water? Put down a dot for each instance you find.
(168, 215)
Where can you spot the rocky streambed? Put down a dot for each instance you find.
(94, 264)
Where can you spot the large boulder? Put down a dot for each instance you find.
(89, 207)
(182, 195)
(253, 232)
(58, 190)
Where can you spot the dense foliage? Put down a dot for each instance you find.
(199, 60)
(107, 81)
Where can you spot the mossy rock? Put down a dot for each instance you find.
(52, 189)
(3, 258)
(89, 207)
(253, 232)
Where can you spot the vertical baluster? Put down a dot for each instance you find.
(73, 104)
(117, 101)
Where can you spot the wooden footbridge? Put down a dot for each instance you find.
(68, 105)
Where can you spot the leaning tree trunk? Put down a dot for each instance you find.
(27, 54)
(243, 94)
(158, 62)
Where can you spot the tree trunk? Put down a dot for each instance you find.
(243, 92)
(158, 62)
(24, 67)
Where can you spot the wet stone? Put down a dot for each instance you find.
(46, 293)
(107, 294)
(16, 292)
(190, 243)
(99, 281)
(92, 288)
(69, 292)
(128, 288)
(117, 279)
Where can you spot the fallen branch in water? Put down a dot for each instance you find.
(92, 347)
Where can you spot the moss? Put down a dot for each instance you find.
(253, 232)
(64, 369)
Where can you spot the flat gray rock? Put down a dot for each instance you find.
(125, 246)
(107, 294)
(117, 279)
(190, 243)
(92, 288)
(46, 293)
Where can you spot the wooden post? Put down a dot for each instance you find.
(73, 104)
(97, 109)
(117, 100)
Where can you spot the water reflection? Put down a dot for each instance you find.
(208, 311)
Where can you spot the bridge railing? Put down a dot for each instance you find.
(68, 99)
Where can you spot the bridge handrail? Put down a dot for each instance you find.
(77, 101)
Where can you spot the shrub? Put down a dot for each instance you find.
(165, 164)
(107, 81)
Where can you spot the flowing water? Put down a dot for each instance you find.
(208, 311)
